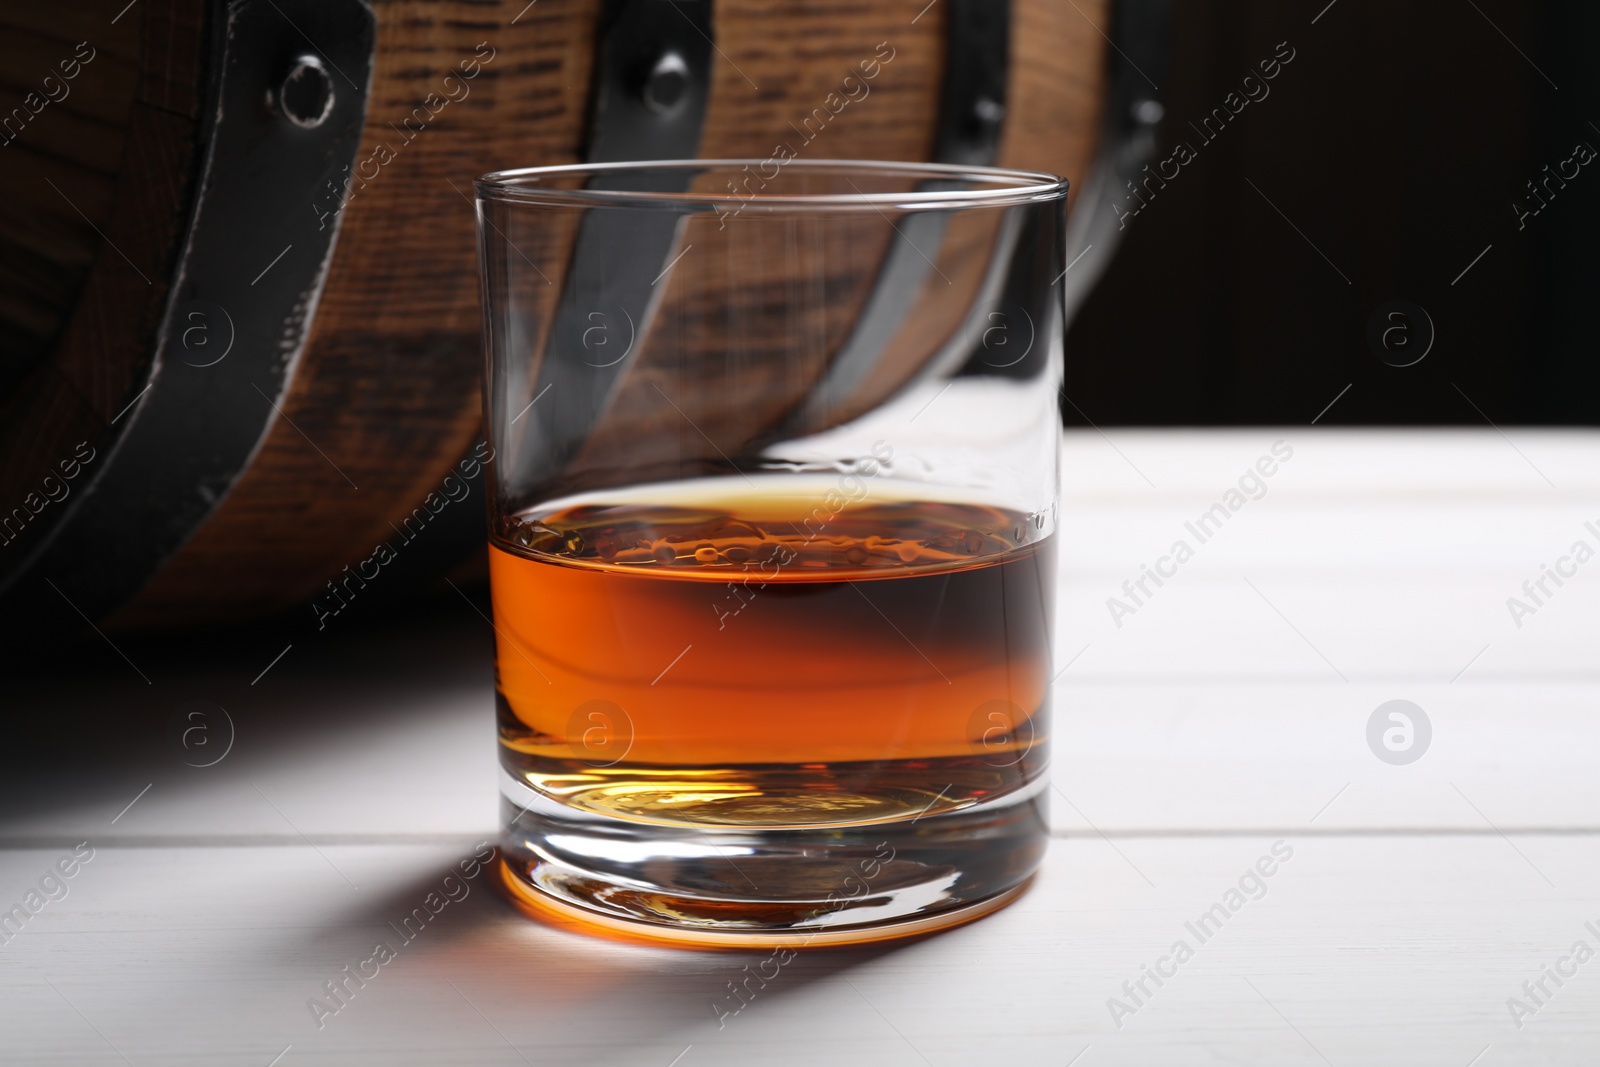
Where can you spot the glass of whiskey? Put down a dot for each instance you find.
(773, 517)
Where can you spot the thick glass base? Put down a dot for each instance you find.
(758, 887)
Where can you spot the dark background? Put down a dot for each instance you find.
(1396, 141)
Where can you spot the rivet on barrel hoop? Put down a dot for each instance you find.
(1148, 112)
(666, 84)
(305, 96)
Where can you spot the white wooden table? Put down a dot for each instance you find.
(1227, 714)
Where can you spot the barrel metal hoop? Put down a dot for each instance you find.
(652, 87)
(1139, 48)
(972, 106)
(653, 80)
(282, 124)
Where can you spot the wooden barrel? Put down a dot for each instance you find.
(239, 340)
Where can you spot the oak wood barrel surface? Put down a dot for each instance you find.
(384, 398)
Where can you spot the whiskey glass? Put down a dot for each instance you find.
(772, 541)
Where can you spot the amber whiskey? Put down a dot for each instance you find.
(757, 661)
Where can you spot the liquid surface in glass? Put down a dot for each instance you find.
(781, 657)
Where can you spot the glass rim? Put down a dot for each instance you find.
(1006, 187)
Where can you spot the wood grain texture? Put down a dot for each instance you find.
(787, 81)
(1055, 93)
(136, 222)
(66, 131)
(778, 61)
(1205, 712)
(949, 294)
(387, 393)
(1193, 738)
(87, 21)
(1391, 951)
(388, 388)
(740, 337)
(734, 372)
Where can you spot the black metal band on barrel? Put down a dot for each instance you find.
(1140, 43)
(283, 118)
(652, 87)
(972, 108)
